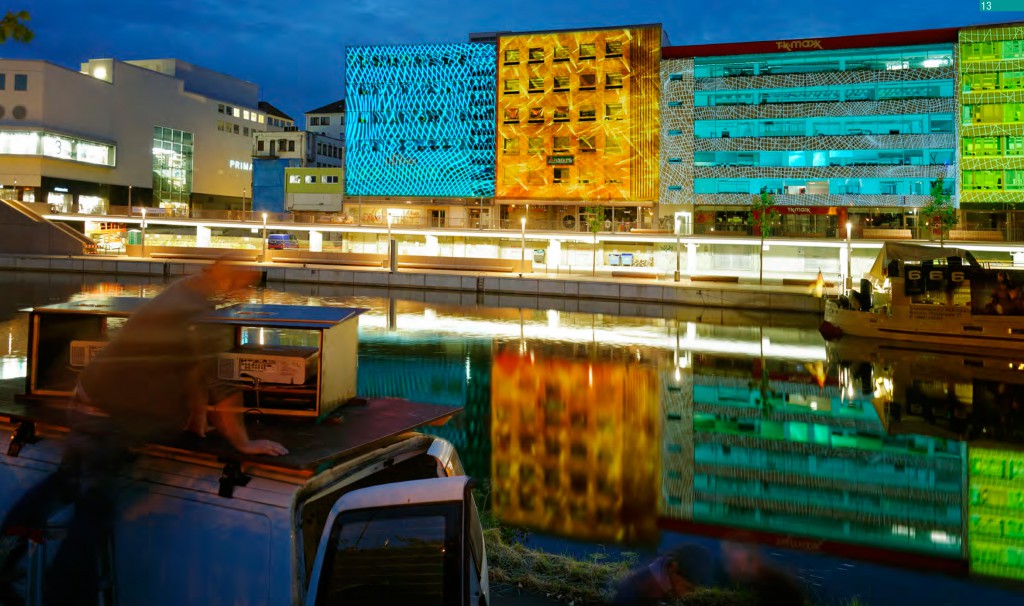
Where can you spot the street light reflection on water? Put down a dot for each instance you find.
(626, 431)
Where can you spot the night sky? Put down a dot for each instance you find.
(295, 50)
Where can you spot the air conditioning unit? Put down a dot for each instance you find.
(282, 365)
(82, 352)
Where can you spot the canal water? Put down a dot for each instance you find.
(868, 470)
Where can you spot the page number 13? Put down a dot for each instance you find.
(986, 5)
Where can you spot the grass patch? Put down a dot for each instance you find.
(578, 581)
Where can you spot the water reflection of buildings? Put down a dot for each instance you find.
(798, 457)
(575, 446)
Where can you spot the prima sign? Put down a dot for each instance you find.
(239, 165)
(792, 45)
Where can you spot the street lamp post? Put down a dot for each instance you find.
(245, 217)
(677, 250)
(522, 248)
(129, 200)
(263, 257)
(849, 256)
(143, 233)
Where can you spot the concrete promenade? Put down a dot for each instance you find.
(743, 295)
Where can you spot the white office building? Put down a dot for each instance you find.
(328, 120)
(162, 133)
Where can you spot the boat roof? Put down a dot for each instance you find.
(350, 429)
(905, 252)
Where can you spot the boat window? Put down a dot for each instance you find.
(395, 555)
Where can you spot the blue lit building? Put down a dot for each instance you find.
(838, 129)
(420, 123)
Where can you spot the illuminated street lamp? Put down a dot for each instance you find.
(677, 249)
(143, 233)
(849, 256)
(264, 256)
(129, 200)
(522, 250)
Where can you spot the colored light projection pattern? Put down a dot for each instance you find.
(996, 512)
(991, 120)
(810, 462)
(578, 115)
(762, 100)
(420, 120)
(575, 447)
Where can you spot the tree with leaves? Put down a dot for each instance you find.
(595, 222)
(15, 27)
(940, 212)
(763, 216)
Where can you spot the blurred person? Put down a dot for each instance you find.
(669, 577)
(747, 570)
(151, 381)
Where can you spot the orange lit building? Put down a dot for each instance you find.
(571, 461)
(578, 123)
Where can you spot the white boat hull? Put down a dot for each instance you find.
(929, 324)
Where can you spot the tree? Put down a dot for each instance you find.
(763, 216)
(595, 221)
(14, 27)
(940, 211)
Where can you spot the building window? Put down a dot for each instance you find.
(613, 81)
(561, 83)
(172, 167)
(586, 176)
(536, 85)
(236, 112)
(20, 82)
(561, 53)
(613, 49)
(536, 145)
(314, 121)
(536, 115)
(560, 145)
(294, 179)
(245, 114)
(561, 175)
(511, 146)
(613, 111)
(220, 108)
(512, 56)
(291, 145)
(588, 50)
(512, 86)
(310, 179)
(587, 113)
(562, 113)
(259, 145)
(234, 129)
(261, 118)
(511, 115)
(3, 81)
(325, 121)
(536, 55)
(675, 77)
(331, 179)
(588, 81)
(245, 131)
(587, 144)
(613, 145)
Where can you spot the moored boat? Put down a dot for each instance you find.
(930, 294)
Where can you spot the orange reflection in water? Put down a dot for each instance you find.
(575, 447)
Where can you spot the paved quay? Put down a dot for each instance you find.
(644, 289)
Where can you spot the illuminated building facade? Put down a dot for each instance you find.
(420, 121)
(577, 123)
(850, 128)
(178, 135)
(991, 122)
(567, 460)
(996, 510)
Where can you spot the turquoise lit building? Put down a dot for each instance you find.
(850, 129)
(420, 120)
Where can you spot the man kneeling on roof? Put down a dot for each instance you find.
(152, 380)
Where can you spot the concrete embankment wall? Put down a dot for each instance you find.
(734, 296)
